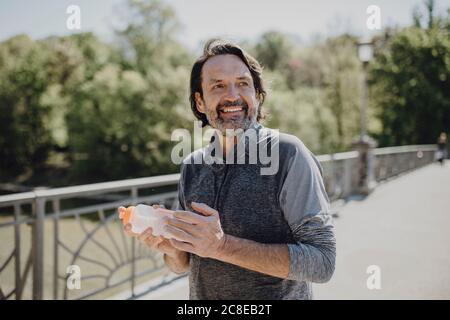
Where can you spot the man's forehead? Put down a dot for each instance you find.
(223, 66)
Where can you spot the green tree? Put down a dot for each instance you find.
(342, 86)
(411, 86)
(121, 119)
(25, 138)
(317, 94)
(274, 50)
(111, 108)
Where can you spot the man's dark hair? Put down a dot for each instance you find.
(215, 47)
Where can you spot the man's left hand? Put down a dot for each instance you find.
(198, 234)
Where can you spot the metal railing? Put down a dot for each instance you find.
(46, 209)
(78, 226)
(392, 161)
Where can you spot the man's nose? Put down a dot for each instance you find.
(232, 93)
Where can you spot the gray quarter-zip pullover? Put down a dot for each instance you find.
(287, 206)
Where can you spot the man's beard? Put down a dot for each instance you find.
(217, 122)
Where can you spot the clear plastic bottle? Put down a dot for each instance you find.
(142, 217)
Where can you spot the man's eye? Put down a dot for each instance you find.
(217, 86)
(243, 84)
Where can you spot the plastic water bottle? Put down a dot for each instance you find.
(142, 217)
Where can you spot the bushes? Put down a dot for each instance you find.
(111, 109)
(411, 86)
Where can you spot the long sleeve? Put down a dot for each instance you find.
(306, 208)
(179, 202)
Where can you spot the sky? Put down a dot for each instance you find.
(201, 19)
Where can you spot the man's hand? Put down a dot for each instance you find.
(203, 235)
(158, 243)
(198, 234)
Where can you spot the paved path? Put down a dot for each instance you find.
(403, 228)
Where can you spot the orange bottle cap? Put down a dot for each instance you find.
(126, 215)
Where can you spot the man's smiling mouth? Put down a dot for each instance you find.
(231, 109)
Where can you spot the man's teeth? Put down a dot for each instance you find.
(231, 109)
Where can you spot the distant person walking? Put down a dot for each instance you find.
(442, 148)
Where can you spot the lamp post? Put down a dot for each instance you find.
(365, 53)
(364, 144)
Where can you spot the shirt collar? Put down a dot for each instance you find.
(242, 144)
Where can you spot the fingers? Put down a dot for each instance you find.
(180, 245)
(127, 230)
(182, 225)
(154, 242)
(204, 209)
(190, 217)
(166, 247)
(179, 234)
(144, 235)
(148, 239)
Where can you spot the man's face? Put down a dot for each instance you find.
(229, 97)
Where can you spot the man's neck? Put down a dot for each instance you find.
(227, 142)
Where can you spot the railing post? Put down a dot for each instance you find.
(56, 209)
(18, 284)
(134, 196)
(347, 177)
(366, 165)
(38, 249)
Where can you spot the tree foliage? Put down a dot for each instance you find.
(410, 84)
(106, 111)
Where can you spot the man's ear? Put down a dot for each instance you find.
(199, 103)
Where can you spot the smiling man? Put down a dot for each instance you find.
(239, 233)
